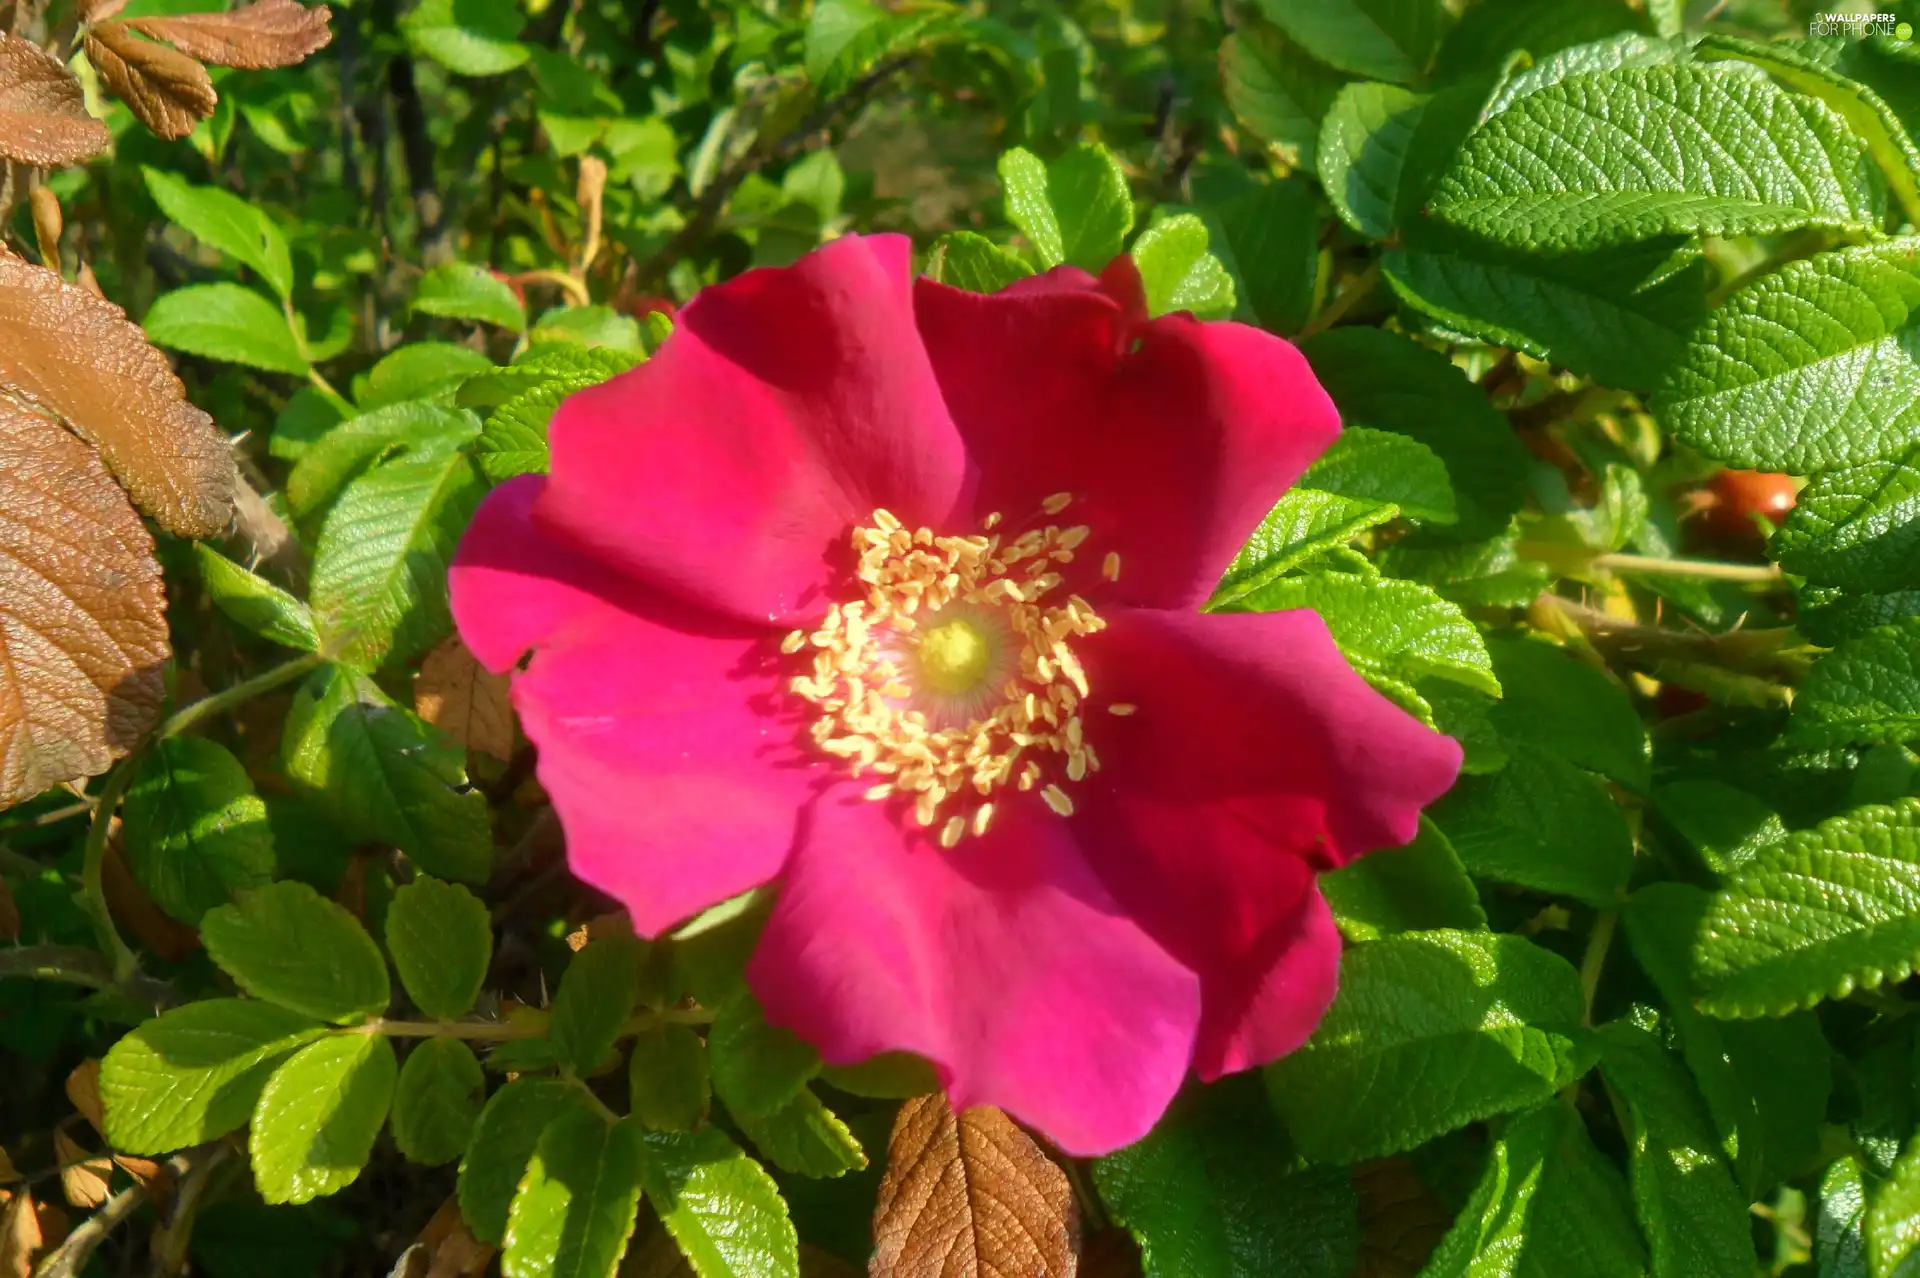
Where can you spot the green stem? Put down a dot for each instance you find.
(1703, 568)
(1594, 961)
(93, 893)
(240, 693)
(73, 964)
(50, 818)
(1351, 294)
(504, 1031)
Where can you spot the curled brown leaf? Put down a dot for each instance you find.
(84, 1177)
(77, 356)
(82, 625)
(465, 700)
(43, 113)
(970, 1194)
(268, 33)
(166, 90)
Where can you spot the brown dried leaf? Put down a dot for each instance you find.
(75, 355)
(166, 91)
(150, 1175)
(85, 1179)
(9, 931)
(82, 625)
(269, 33)
(83, 1091)
(20, 1236)
(1401, 1221)
(970, 1194)
(816, 1262)
(7, 1173)
(43, 113)
(465, 700)
(99, 10)
(136, 912)
(455, 1252)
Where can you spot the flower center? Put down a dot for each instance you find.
(953, 657)
(954, 676)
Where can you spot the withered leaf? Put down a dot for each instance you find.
(970, 1194)
(43, 114)
(84, 1178)
(268, 33)
(99, 10)
(21, 1236)
(63, 348)
(135, 912)
(166, 90)
(465, 700)
(82, 625)
(83, 1091)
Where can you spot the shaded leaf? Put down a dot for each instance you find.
(441, 939)
(437, 1101)
(67, 351)
(805, 1137)
(84, 631)
(970, 1193)
(503, 1141)
(668, 1078)
(266, 33)
(194, 831)
(43, 113)
(166, 90)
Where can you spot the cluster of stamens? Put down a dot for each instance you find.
(973, 613)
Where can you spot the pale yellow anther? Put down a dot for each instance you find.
(1057, 800)
(794, 642)
(1110, 566)
(1070, 538)
(882, 791)
(1056, 503)
(1122, 708)
(982, 816)
(952, 831)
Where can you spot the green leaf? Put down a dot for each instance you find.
(1619, 315)
(555, 364)
(1629, 49)
(438, 1101)
(1857, 528)
(503, 1143)
(595, 999)
(721, 1207)
(1817, 915)
(1278, 93)
(1556, 703)
(1076, 210)
(594, 327)
(192, 1074)
(347, 449)
(975, 263)
(228, 323)
(1380, 39)
(1628, 154)
(380, 568)
(1378, 465)
(1178, 271)
(1489, 32)
(1268, 238)
(385, 775)
(1864, 692)
(468, 37)
(1430, 1031)
(804, 1137)
(576, 1206)
(1841, 329)
(432, 372)
(757, 1068)
(314, 1126)
(1388, 382)
(888, 1076)
(1892, 1221)
(1382, 148)
(1548, 1205)
(1828, 616)
(288, 944)
(1694, 1215)
(307, 416)
(1542, 823)
(254, 602)
(1870, 118)
(514, 440)
(1420, 887)
(1207, 1197)
(441, 939)
(1765, 1082)
(195, 832)
(669, 1079)
(1839, 1245)
(461, 290)
(1727, 826)
(1393, 631)
(1305, 522)
(225, 223)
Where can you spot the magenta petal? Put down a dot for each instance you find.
(788, 404)
(675, 785)
(1255, 757)
(1176, 437)
(1004, 962)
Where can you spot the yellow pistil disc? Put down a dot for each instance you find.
(954, 674)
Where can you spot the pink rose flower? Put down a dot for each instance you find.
(884, 592)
